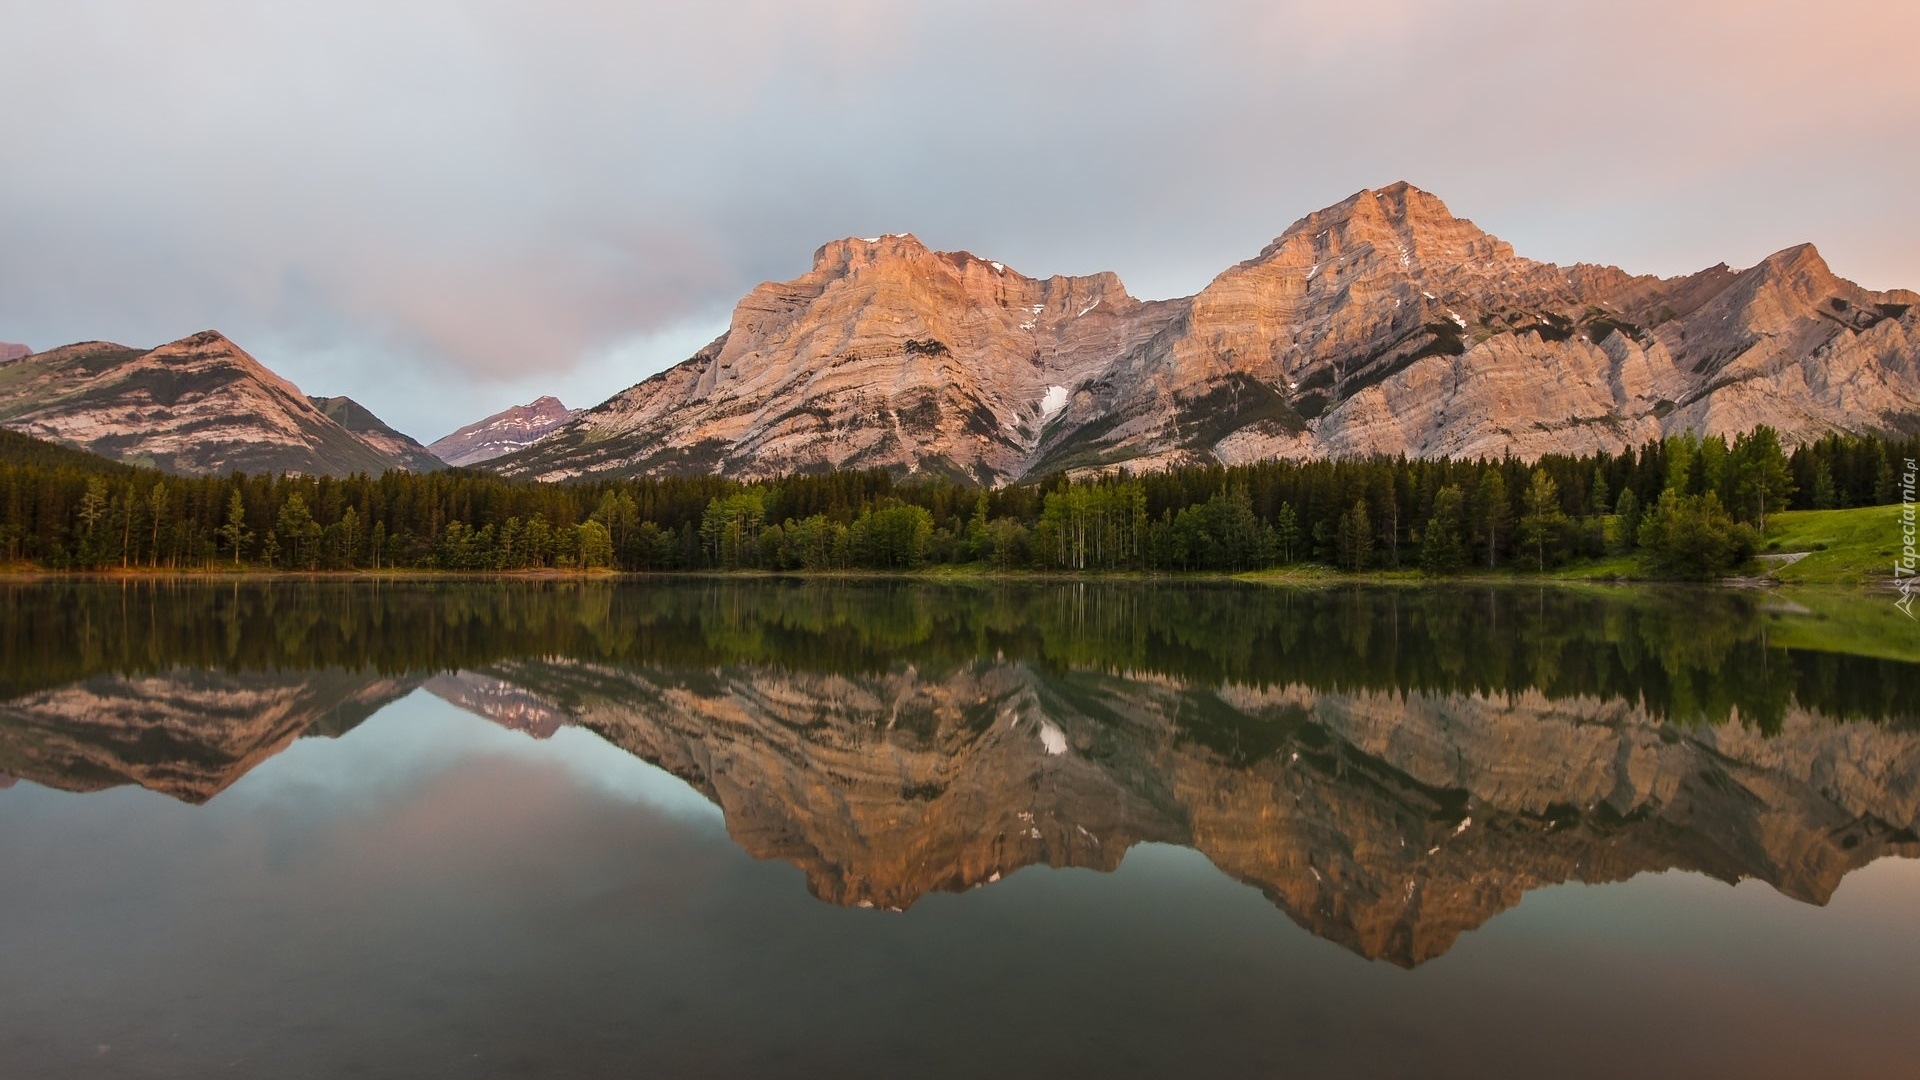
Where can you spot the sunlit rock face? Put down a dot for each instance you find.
(1382, 324)
(200, 405)
(883, 354)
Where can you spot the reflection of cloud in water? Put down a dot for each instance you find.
(1390, 768)
(422, 734)
(427, 887)
(1387, 822)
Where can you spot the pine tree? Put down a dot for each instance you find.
(295, 526)
(1627, 517)
(1491, 513)
(350, 538)
(976, 540)
(234, 532)
(157, 506)
(1824, 495)
(1543, 516)
(1356, 537)
(1441, 549)
(1286, 532)
(1760, 477)
(93, 507)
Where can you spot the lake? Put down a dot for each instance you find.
(752, 827)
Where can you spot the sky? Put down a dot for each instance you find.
(445, 207)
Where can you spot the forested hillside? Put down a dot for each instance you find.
(1691, 508)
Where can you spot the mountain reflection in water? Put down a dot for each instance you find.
(1389, 767)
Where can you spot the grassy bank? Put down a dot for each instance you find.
(1844, 547)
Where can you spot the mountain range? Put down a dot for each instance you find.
(198, 405)
(203, 405)
(1382, 324)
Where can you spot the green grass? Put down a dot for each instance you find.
(1845, 547)
(1848, 547)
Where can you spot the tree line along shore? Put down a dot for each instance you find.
(1682, 508)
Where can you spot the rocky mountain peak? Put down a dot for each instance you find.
(13, 351)
(1383, 324)
(849, 254)
(503, 432)
(1400, 224)
(201, 404)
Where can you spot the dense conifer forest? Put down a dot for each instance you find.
(1688, 507)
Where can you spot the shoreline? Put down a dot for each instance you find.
(1297, 577)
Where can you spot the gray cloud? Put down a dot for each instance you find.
(444, 207)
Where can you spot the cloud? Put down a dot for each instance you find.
(487, 196)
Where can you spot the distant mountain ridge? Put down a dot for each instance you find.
(373, 431)
(13, 351)
(199, 405)
(502, 433)
(1382, 324)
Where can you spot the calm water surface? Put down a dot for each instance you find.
(770, 828)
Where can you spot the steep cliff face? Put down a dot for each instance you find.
(883, 354)
(197, 405)
(503, 432)
(1383, 324)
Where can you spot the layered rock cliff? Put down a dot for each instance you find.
(1383, 324)
(503, 432)
(198, 405)
(884, 354)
